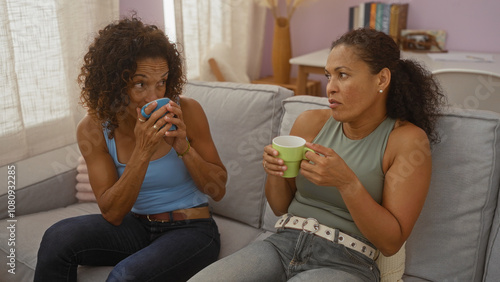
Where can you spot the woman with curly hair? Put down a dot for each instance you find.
(151, 176)
(363, 190)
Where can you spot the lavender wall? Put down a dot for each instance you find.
(150, 11)
(472, 25)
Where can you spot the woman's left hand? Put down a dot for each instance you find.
(175, 138)
(326, 167)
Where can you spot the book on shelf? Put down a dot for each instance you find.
(351, 18)
(361, 16)
(373, 14)
(356, 17)
(385, 17)
(400, 12)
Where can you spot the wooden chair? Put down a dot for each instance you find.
(216, 70)
(470, 89)
(221, 64)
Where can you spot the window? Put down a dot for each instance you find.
(169, 14)
(38, 68)
(42, 46)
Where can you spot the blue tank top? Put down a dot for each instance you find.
(363, 156)
(167, 185)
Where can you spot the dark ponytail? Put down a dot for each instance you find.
(413, 95)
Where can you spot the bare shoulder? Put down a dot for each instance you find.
(90, 136)
(194, 117)
(309, 123)
(188, 104)
(408, 141)
(191, 109)
(309, 116)
(86, 123)
(405, 131)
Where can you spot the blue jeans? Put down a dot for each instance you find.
(292, 255)
(140, 250)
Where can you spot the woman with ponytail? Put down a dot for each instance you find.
(362, 190)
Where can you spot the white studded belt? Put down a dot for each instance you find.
(311, 225)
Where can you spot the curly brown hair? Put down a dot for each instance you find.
(414, 95)
(111, 61)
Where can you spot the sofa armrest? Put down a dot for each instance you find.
(42, 182)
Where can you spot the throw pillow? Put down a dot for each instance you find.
(392, 268)
(84, 191)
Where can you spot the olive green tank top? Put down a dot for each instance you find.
(363, 156)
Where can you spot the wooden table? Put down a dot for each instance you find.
(309, 63)
(315, 63)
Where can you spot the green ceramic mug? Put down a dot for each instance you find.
(292, 151)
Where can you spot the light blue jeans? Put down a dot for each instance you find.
(292, 255)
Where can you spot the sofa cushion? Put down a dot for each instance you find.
(42, 177)
(450, 238)
(234, 235)
(29, 230)
(294, 106)
(243, 119)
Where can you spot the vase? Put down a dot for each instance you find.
(281, 51)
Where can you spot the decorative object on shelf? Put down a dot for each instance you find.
(423, 40)
(282, 46)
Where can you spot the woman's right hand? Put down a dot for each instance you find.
(272, 164)
(279, 190)
(149, 132)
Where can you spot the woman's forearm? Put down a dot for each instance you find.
(209, 178)
(119, 199)
(279, 193)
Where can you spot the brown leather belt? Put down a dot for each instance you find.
(177, 215)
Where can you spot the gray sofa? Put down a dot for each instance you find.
(456, 237)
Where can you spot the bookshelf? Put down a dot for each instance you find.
(385, 17)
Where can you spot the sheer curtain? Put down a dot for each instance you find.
(202, 24)
(42, 44)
